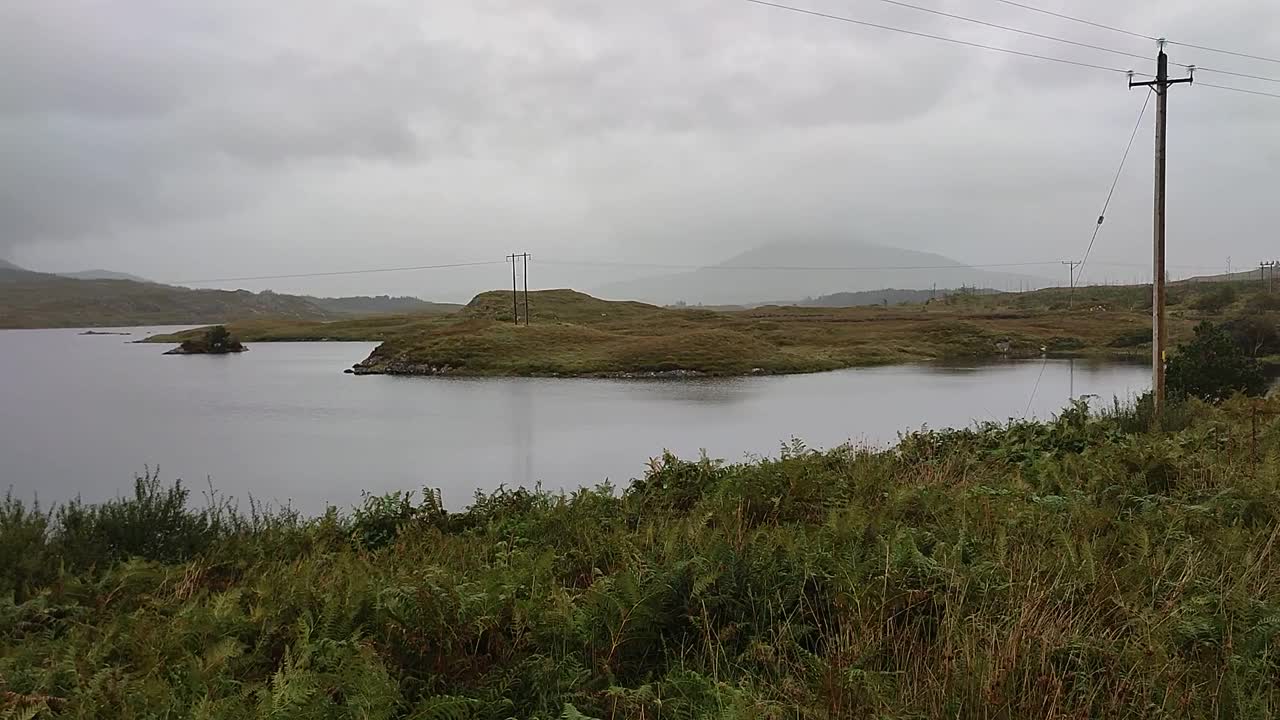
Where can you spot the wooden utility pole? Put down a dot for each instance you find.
(526, 288)
(515, 294)
(515, 300)
(1071, 271)
(1159, 331)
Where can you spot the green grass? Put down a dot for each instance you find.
(575, 334)
(1085, 567)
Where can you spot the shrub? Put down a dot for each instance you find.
(24, 557)
(1133, 338)
(1213, 367)
(1255, 334)
(154, 524)
(1262, 302)
(1216, 299)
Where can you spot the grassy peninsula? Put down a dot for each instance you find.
(572, 334)
(1085, 567)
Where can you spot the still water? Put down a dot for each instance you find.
(81, 415)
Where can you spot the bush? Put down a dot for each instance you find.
(1133, 338)
(1263, 302)
(1255, 334)
(154, 524)
(24, 559)
(1216, 299)
(1213, 367)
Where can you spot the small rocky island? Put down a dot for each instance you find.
(215, 341)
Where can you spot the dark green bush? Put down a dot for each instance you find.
(155, 524)
(1213, 367)
(24, 557)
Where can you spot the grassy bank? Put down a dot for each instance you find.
(1080, 568)
(575, 334)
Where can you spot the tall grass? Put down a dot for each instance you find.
(1084, 567)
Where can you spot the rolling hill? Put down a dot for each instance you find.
(100, 274)
(810, 269)
(31, 299)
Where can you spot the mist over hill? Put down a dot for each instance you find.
(815, 269)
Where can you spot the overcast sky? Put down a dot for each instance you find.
(187, 140)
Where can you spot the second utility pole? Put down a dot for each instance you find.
(1071, 270)
(1159, 332)
(515, 297)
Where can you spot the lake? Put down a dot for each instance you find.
(81, 415)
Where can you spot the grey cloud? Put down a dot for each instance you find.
(248, 138)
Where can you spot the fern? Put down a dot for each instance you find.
(571, 713)
(445, 707)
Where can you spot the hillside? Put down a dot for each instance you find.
(41, 300)
(99, 274)
(381, 305)
(1258, 274)
(753, 276)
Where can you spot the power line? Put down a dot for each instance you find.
(810, 268)
(1239, 90)
(1144, 36)
(342, 272)
(1224, 52)
(1199, 68)
(1076, 19)
(1054, 38)
(1019, 31)
(1115, 181)
(943, 38)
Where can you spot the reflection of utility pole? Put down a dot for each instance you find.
(1071, 271)
(1159, 331)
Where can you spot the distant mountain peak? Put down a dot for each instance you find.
(789, 271)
